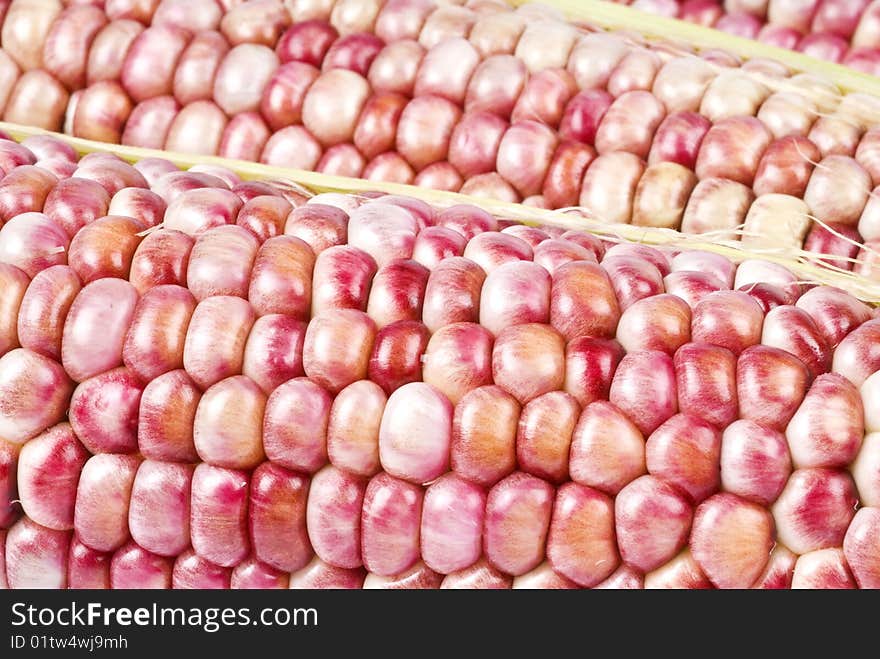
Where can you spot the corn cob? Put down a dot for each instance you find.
(842, 31)
(210, 383)
(470, 99)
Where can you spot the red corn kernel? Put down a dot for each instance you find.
(36, 557)
(682, 572)
(786, 167)
(104, 411)
(150, 63)
(793, 330)
(583, 301)
(491, 249)
(685, 452)
(484, 435)
(306, 41)
(714, 265)
(731, 540)
(13, 312)
(661, 195)
(25, 189)
(277, 516)
(397, 354)
(436, 244)
(779, 571)
(452, 294)
(48, 472)
(155, 341)
(244, 137)
(678, 139)
(274, 349)
(220, 262)
(294, 429)
(219, 514)
(623, 578)
(102, 499)
(354, 52)
(32, 242)
(609, 186)
(815, 509)
(860, 549)
(144, 205)
(416, 433)
(161, 258)
(228, 426)
(847, 180)
(528, 360)
(105, 248)
(544, 434)
(518, 511)
(319, 225)
(191, 571)
(215, 339)
(341, 279)
(159, 512)
(834, 240)
(771, 384)
(196, 211)
(584, 114)
(727, 319)
(858, 356)
(324, 359)
(629, 124)
(652, 521)
(166, 417)
(706, 376)
(353, 428)
(495, 86)
(397, 292)
(197, 67)
(458, 359)
(452, 524)
(661, 322)
(395, 67)
(474, 142)
(581, 543)
(607, 450)
(546, 97)
(468, 221)
(384, 231)
(75, 202)
(824, 568)
(717, 206)
(644, 389)
(590, 365)
(43, 311)
(515, 293)
(333, 516)
(732, 149)
(632, 278)
(87, 568)
(828, 427)
(755, 462)
(390, 521)
(34, 394)
(10, 504)
(281, 279)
